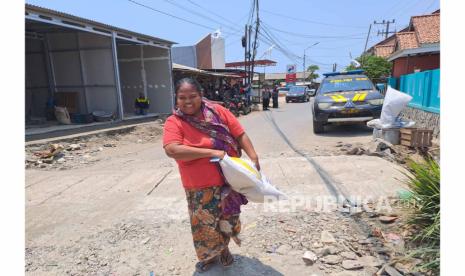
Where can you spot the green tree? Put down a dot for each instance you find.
(278, 82)
(312, 76)
(375, 67)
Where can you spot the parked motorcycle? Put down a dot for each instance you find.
(233, 106)
(245, 105)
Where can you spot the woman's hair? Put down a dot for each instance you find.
(190, 81)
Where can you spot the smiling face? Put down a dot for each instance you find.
(188, 99)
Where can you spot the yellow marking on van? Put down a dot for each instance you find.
(339, 98)
(359, 97)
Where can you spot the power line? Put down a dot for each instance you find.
(174, 16)
(274, 38)
(429, 6)
(394, 7)
(313, 22)
(252, 9)
(219, 16)
(316, 36)
(384, 32)
(408, 8)
(296, 58)
(270, 43)
(199, 14)
(284, 52)
(278, 43)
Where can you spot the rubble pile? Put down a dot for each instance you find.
(329, 242)
(83, 151)
(381, 148)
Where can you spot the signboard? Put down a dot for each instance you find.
(291, 68)
(291, 77)
(291, 73)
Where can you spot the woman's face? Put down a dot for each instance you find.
(188, 99)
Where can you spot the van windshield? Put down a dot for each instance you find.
(346, 84)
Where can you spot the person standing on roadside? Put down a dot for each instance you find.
(266, 98)
(275, 95)
(196, 132)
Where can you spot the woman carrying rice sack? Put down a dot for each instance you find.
(196, 132)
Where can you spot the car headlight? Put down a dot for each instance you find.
(376, 101)
(324, 105)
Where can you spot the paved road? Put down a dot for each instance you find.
(108, 218)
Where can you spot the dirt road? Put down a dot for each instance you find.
(125, 213)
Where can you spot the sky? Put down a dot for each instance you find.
(340, 28)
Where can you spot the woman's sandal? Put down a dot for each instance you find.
(201, 267)
(226, 258)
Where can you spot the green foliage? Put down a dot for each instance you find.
(278, 82)
(351, 67)
(313, 68)
(424, 182)
(313, 76)
(375, 67)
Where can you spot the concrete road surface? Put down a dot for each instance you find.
(127, 214)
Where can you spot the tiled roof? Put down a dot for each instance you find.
(427, 28)
(406, 40)
(423, 29)
(384, 50)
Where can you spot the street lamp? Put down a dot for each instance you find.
(265, 54)
(303, 71)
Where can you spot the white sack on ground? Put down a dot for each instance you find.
(394, 102)
(246, 179)
(376, 123)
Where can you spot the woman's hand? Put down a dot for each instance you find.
(218, 154)
(256, 163)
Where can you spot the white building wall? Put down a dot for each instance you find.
(217, 52)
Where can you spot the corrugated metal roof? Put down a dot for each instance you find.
(181, 67)
(49, 12)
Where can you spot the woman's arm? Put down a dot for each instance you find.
(187, 153)
(246, 144)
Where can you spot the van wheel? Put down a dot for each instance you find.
(318, 127)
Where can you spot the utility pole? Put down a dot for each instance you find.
(249, 54)
(257, 25)
(387, 32)
(334, 67)
(244, 44)
(303, 71)
(366, 43)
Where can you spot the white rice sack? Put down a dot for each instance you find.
(394, 102)
(244, 178)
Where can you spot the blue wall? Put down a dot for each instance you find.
(423, 87)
